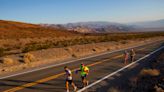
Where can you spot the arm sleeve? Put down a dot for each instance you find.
(69, 72)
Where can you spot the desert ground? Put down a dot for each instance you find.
(24, 45)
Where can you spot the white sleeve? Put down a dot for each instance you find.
(69, 71)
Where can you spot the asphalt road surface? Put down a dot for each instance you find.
(53, 79)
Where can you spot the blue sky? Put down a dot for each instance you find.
(64, 11)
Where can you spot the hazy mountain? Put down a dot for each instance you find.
(21, 29)
(97, 24)
(149, 24)
(106, 27)
(98, 27)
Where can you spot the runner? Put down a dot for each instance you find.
(132, 54)
(84, 73)
(69, 79)
(126, 56)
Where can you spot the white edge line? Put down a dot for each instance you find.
(53, 65)
(111, 74)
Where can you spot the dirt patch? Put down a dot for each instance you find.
(150, 79)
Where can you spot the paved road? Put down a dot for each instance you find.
(52, 79)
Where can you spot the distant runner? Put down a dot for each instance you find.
(126, 56)
(69, 79)
(132, 54)
(84, 73)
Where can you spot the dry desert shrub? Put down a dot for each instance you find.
(1, 52)
(96, 49)
(151, 72)
(7, 61)
(74, 55)
(124, 42)
(69, 49)
(27, 58)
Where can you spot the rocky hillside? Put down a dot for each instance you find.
(12, 29)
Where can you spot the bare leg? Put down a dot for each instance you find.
(125, 61)
(74, 86)
(87, 82)
(67, 86)
(83, 82)
(133, 59)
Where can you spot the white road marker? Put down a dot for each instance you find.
(111, 74)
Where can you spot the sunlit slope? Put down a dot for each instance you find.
(12, 29)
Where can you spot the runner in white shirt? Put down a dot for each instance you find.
(69, 79)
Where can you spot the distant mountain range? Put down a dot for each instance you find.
(106, 27)
(83, 27)
(149, 24)
(98, 27)
(93, 27)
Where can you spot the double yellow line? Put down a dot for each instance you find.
(53, 77)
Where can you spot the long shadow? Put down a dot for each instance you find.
(122, 82)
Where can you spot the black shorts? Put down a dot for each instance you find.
(84, 77)
(69, 81)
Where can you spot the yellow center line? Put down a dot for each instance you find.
(53, 77)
